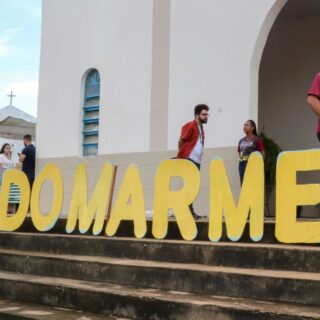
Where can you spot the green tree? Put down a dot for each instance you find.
(272, 150)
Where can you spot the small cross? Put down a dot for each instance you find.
(11, 95)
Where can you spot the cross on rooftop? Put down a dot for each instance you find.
(11, 95)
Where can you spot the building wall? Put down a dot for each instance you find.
(289, 64)
(147, 163)
(114, 37)
(204, 56)
(157, 60)
(212, 47)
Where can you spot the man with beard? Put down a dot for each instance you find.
(191, 140)
(28, 158)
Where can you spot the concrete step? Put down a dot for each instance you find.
(242, 255)
(143, 304)
(267, 285)
(10, 310)
(126, 230)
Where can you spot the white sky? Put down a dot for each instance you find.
(20, 31)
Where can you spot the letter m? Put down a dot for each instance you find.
(98, 206)
(251, 201)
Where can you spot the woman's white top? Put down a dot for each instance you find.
(6, 162)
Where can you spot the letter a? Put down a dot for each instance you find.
(131, 189)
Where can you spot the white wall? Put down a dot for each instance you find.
(113, 36)
(212, 45)
(289, 64)
(214, 58)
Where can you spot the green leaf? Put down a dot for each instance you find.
(272, 150)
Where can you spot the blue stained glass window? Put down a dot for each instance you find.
(91, 109)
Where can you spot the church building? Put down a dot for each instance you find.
(119, 78)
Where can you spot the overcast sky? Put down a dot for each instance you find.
(20, 31)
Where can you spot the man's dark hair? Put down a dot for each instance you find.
(27, 137)
(198, 109)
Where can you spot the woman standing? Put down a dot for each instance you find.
(250, 143)
(6, 161)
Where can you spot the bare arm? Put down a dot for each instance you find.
(314, 104)
(0, 169)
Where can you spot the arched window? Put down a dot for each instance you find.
(91, 108)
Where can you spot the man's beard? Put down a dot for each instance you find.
(204, 120)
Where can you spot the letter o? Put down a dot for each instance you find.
(46, 222)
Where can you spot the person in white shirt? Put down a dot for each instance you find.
(6, 161)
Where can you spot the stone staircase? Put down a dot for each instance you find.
(125, 278)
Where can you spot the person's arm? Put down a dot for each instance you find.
(0, 169)
(185, 135)
(181, 143)
(23, 154)
(22, 157)
(314, 104)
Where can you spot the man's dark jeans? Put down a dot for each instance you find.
(30, 176)
(198, 166)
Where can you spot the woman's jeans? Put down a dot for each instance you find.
(242, 170)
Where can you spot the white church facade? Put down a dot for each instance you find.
(118, 79)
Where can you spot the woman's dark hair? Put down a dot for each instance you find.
(253, 124)
(198, 109)
(3, 147)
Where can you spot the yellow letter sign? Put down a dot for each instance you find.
(129, 204)
(99, 202)
(290, 195)
(13, 222)
(178, 201)
(251, 201)
(40, 221)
